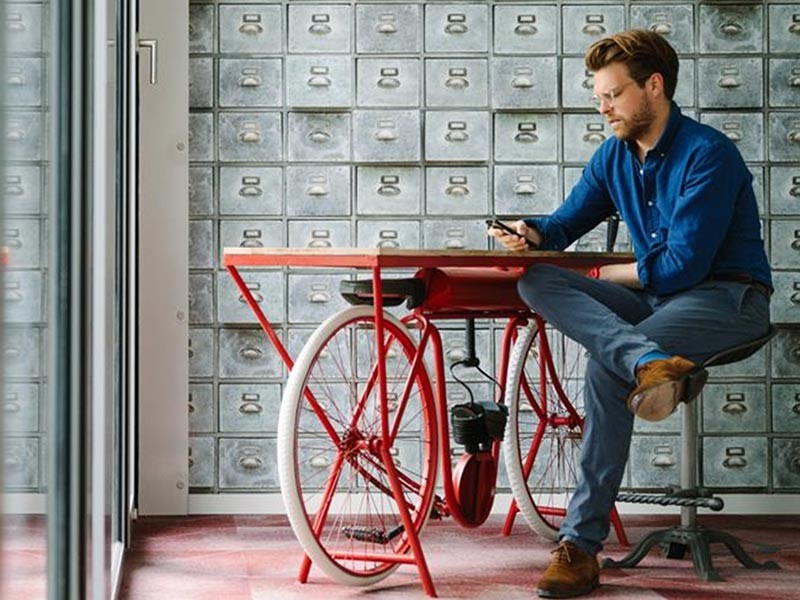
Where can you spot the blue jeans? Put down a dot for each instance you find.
(617, 326)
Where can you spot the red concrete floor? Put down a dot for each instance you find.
(256, 558)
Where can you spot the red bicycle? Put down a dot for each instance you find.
(364, 420)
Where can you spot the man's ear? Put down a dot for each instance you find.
(656, 84)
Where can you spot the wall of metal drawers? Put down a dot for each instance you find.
(24, 227)
(405, 124)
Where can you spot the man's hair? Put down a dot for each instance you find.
(643, 52)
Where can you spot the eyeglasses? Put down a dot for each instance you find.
(610, 96)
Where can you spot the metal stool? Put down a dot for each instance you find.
(690, 536)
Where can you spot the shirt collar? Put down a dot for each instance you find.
(666, 138)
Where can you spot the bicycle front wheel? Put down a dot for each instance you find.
(544, 394)
(334, 480)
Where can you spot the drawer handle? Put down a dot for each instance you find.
(389, 83)
(594, 137)
(794, 81)
(795, 27)
(317, 243)
(456, 28)
(458, 135)
(796, 244)
(320, 462)
(795, 298)
(18, 190)
(319, 137)
(662, 28)
(250, 243)
(13, 296)
(593, 29)
(388, 244)
(526, 188)
(454, 244)
(796, 408)
(385, 135)
(249, 191)
(251, 28)
(251, 408)
(457, 82)
(319, 81)
(388, 189)
(249, 81)
(526, 29)
(11, 353)
(526, 137)
(191, 462)
(320, 29)
(734, 135)
(795, 352)
(316, 189)
(386, 28)
(795, 191)
(11, 407)
(731, 28)
(457, 190)
(735, 462)
(250, 136)
(319, 297)
(522, 82)
(256, 296)
(250, 462)
(456, 354)
(15, 243)
(15, 80)
(734, 407)
(15, 135)
(729, 82)
(663, 461)
(12, 462)
(250, 353)
(794, 136)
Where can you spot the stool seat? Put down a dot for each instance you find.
(689, 536)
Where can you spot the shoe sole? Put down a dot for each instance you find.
(582, 592)
(658, 402)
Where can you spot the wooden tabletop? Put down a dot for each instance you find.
(409, 258)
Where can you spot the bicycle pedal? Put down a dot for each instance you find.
(371, 534)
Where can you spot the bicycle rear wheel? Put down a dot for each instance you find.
(544, 394)
(333, 477)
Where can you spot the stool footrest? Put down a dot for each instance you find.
(672, 500)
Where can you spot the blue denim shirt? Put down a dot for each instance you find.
(690, 208)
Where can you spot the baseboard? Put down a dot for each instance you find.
(272, 503)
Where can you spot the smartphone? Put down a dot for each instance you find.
(502, 226)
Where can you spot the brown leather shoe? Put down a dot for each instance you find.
(662, 384)
(572, 572)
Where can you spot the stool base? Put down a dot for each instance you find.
(697, 540)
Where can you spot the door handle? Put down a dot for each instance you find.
(153, 46)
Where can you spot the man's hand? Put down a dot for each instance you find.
(625, 274)
(516, 243)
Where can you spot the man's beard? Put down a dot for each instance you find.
(635, 127)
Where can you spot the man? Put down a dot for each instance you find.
(700, 283)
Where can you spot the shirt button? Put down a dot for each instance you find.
(641, 171)
(653, 234)
(649, 203)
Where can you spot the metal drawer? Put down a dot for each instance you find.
(388, 82)
(684, 92)
(386, 136)
(752, 367)
(746, 130)
(248, 463)
(731, 83)
(784, 28)
(786, 463)
(251, 408)
(22, 297)
(250, 137)
(785, 407)
(731, 28)
(247, 354)
(201, 245)
(521, 83)
(388, 190)
(201, 191)
(24, 136)
(202, 458)
(784, 82)
(784, 190)
(319, 137)
(319, 28)
(456, 82)
(21, 463)
(201, 352)
(20, 407)
(314, 297)
(201, 137)
(457, 136)
(785, 302)
(267, 289)
(454, 234)
(22, 239)
(201, 408)
(23, 32)
(388, 28)
(250, 29)
(525, 189)
(583, 25)
(387, 234)
(734, 463)
(526, 138)
(785, 244)
(318, 190)
(583, 134)
(23, 81)
(525, 29)
(250, 234)
(457, 191)
(784, 137)
(674, 22)
(319, 81)
(250, 190)
(201, 298)
(201, 83)
(23, 190)
(201, 28)
(577, 83)
(785, 354)
(654, 461)
(312, 234)
(251, 82)
(734, 407)
(456, 28)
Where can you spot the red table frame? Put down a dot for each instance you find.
(377, 259)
